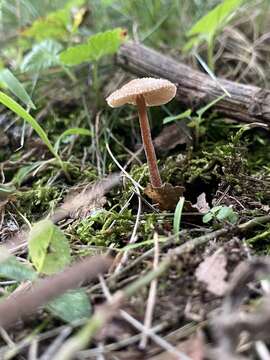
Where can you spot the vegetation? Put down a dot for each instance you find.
(62, 200)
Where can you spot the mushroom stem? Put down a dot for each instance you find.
(147, 143)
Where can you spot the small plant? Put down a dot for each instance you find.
(49, 252)
(96, 47)
(207, 28)
(221, 213)
(196, 121)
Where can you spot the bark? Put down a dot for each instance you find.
(194, 88)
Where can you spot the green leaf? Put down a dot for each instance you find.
(13, 84)
(227, 213)
(49, 249)
(68, 132)
(221, 213)
(23, 172)
(42, 56)
(15, 270)
(55, 25)
(98, 46)
(7, 189)
(191, 44)
(207, 217)
(72, 306)
(183, 115)
(18, 110)
(177, 217)
(211, 22)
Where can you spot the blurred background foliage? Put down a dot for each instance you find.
(158, 23)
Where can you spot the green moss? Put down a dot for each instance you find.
(104, 228)
(35, 202)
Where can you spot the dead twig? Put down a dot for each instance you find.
(151, 297)
(25, 303)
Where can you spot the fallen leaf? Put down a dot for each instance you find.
(202, 205)
(91, 198)
(212, 272)
(166, 196)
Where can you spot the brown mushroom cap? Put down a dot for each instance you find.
(155, 92)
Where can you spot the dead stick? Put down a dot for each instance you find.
(194, 88)
(22, 304)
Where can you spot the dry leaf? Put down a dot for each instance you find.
(166, 196)
(202, 205)
(91, 198)
(212, 272)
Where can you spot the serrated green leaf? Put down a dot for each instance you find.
(13, 84)
(72, 306)
(15, 270)
(216, 18)
(42, 56)
(75, 55)
(97, 46)
(49, 249)
(55, 25)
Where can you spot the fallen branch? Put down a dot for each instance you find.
(194, 88)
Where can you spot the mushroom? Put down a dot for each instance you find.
(142, 93)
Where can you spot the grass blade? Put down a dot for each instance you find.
(177, 217)
(21, 112)
(68, 132)
(15, 87)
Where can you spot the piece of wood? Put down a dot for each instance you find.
(194, 88)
